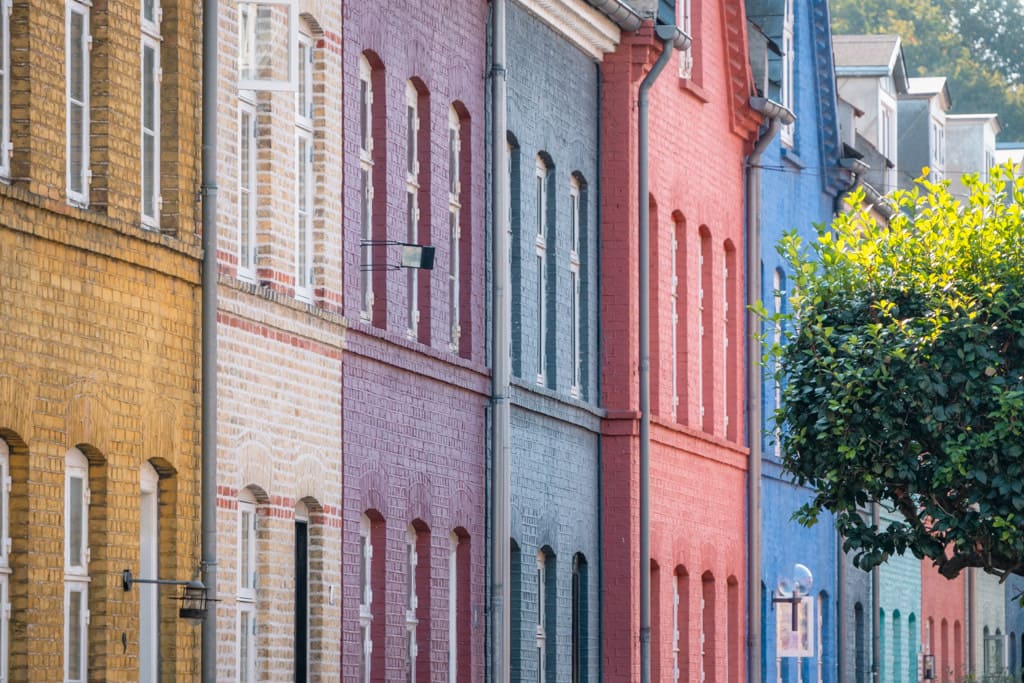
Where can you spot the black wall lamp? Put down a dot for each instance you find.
(193, 595)
(419, 256)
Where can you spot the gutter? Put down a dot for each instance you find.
(208, 416)
(777, 116)
(501, 359)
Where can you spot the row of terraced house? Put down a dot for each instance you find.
(370, 322)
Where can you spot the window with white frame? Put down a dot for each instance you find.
(725, 337)
(684, 15)
(5, 557)
(411, 603)
(788, 58)
(365, 598)
(412, 205)
(453, 607)
(541, 639)
(304, 171)
(267, 44)
(703, 325)
(78, 43)
(674, 302)
(675, 628)
(76, 566)
(247, 576)
(541, 250)
(365, 188)
(149, 567)
(779, 294)
(454, 227)
(152, 75)
(575, 276)
(246, 190)
(6, 148)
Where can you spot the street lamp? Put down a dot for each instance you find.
(793, 589)
(193, 595)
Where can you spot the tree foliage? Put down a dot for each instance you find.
(903, 376)
(976, 44)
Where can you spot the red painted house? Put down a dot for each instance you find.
(701, 129)
(943, 608)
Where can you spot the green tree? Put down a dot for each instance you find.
(976, 44)
(903, 376)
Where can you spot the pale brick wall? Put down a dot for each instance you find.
(279, 363)
(100, 338)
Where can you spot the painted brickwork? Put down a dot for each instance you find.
(553, 112)
(414, 410)
(943, 610)
(1015, 624)
(279, 359)
(100, 339)
(900, 605)
(990, 598)
(797, 182)
(701, 128)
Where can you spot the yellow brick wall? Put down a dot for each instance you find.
(99, 344)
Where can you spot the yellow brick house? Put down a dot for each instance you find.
(99, 337)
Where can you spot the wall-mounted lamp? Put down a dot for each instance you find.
(793, 589)
(194, 600)
(928, 667)
(419, 256)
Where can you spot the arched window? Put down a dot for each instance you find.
(5, 559)
(301, 596)
(547, 613)
(859, 645)
(76, 566)
(455, 199)
(680, 625)
(655, 616)
(149, 567)
(544, 204)
(149, 156)
(576, 319)
(912, 647)
(707, 631)
(304, 178)
(459, 607)
(580, 617)
(417, 609)
(517, 668)
(705, 362)
(248, 563)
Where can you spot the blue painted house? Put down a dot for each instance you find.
(554, 49)
(800, 180)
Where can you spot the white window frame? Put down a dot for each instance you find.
(674, 301)
(365, 597)
(684, 13)
(675, 627)
(149, 567)
(453, 607)
(575, 277)
(411, 603)
(6, 147)
(541, 250)
(725, 338)
(699, 365)
(77, 180)
(247, 36)
(788, 59)
(779, 298)
(454, 228)
(5, 557)
(304, 180)
(247, 184)
(412, 203)
(150, 200)
(366, 188)
(76, 568)
(541, 639)
(248, 557)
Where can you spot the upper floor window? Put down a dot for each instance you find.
(684, 21)
(267, 44)
(541, 250)
(454, 228)
(786, 133)
(365, 188)
(779, 299)
(150, 143)
(304, 171)
(247, 145)
(78, 43)
(575, 286)
(6, 149)
(412, 206)
(76, 566)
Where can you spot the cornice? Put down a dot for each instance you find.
(579, 23)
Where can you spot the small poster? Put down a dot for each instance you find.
(798, 643)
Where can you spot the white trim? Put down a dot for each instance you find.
(150, 214)
(248, 553)
(247, 190)
(247, 46)
(77, 180)
(412, 203)
(541, 633)
(80, 636)
(454, 229)
(674, 301)
(453, 607)
(684, 15)
(247, 652)
(149, 567)
(6, 147)
(581, 24)
(304, 197)
(412, 603)
(788, 60)
(575, 286)
(365, 187)
(5, 570)
(365, 596)
(540, 249)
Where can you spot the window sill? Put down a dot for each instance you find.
(694, 88)
(792, 158)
